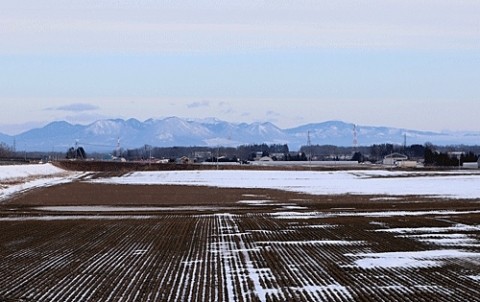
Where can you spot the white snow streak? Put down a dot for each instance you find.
(417, 259)
(316, 215)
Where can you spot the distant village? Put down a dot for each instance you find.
(390, 155)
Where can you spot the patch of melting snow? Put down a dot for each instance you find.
(298, 215)
(475, 278)
(382, 224)
(436, 235)
(299, 200)
(244, 250)
(324, 288)
(314, 215)
(235, 234)
(385, 198)
(315, 226)
(20, 178)
(449, 185)
(9, 191)
(139, 252)
(456, 228)
(441, 236)
(270, 231)
(255, 202)
(192, 262)
(407, 213)
(254, 195)
(313, 242)
(229, 253)
(24, 171)
(464, 242)
(294, 208)
(415, 259)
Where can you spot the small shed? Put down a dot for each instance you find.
(407, 164)
(266, 158)
(393, 159)
(470, 165)
(184, 160)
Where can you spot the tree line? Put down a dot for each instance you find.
(243, 152)
(430, 154)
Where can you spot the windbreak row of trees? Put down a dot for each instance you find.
(5, 151)
(276, 151)
(244, 152)
(430, 154)
(371, 153)
(435, 158)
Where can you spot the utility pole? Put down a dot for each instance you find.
(309, 144)
(355, 138)
(76, 148)
(117, 151)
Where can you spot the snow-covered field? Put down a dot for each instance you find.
(443, 184)
(454, 184)
(20, 178)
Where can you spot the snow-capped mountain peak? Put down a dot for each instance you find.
(103, 135)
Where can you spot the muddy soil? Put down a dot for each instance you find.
(216, 244)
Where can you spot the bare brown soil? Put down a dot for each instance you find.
(237, 251)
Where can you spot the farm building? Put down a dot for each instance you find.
(394, 158)
(407, 164)
(266, 158)
(470, 165)
(184, 160)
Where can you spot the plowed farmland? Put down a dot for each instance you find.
(100, 242)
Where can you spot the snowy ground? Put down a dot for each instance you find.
(20, 178)
(454, 184)
(443, 184)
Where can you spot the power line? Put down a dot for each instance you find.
(98, 145)
(355, 137)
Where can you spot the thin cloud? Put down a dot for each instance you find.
(226, 108)
(272, 113)
(198, 104)
(76, 107)
(272, 116)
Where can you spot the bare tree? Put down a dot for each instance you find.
(5, 151)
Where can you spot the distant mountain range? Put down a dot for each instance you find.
(104, 135)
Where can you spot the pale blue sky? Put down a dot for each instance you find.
(410, 64)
